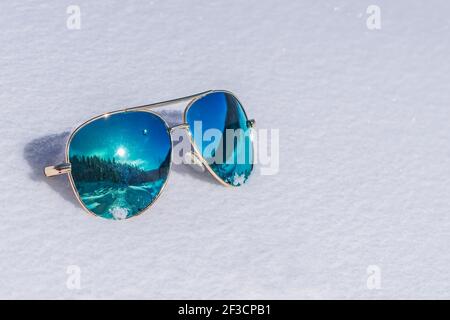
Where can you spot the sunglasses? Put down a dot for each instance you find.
(118, 163)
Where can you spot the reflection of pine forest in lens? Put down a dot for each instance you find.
(97, 169)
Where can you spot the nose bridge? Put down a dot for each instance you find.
(179, 126)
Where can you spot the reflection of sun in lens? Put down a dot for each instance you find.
(121, 152)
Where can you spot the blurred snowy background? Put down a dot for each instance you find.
(361, 204)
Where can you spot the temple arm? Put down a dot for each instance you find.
(61, 168)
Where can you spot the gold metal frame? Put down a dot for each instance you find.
(65, 168)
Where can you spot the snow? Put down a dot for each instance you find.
(364, 176)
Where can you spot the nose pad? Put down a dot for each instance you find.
(191, 159)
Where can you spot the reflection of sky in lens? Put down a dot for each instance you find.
(211, 110)
(135, 138)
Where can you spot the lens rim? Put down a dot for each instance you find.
(191, 138)
(107, 114)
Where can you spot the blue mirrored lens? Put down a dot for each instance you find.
(120, 163)
(220, 131)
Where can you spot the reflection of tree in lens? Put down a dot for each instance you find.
(230, 169)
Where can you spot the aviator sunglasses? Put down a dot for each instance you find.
(118, 163)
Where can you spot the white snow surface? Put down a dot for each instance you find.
(364, 120)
